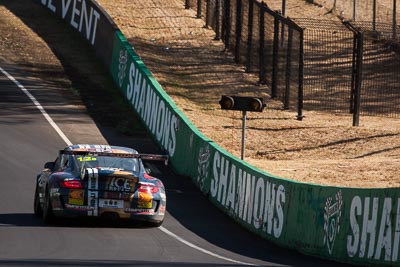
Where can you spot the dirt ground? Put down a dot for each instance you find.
(195, 71)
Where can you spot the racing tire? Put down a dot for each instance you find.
(47, 216)
(37, 209)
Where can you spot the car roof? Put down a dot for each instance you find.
(101, 148)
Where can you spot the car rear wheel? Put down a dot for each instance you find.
(48, 216)
(37, 209)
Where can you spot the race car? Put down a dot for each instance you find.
(100, 181)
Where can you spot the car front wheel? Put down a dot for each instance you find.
(37, 209)
(48, 216)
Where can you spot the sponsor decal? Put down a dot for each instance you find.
(203, 165)
(256, 201)
(54, 192)
(145, 200)
(82, 18)
(163, 196)
(123, 60)
(159, 118)
(93, 187)
(76, 197)
(332, 215)
(118, 195)
(81, 208)
(374, 235)
(162, 210)
(111, 203)
(120, 184)
(140, 211)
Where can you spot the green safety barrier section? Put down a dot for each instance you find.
(352, 225)
(358, 226)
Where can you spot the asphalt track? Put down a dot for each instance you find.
(194, 232)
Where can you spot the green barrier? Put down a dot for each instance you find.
(351, 225)
(358, 226)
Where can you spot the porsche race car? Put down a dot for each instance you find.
(100, 181)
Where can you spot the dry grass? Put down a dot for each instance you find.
(194, 70)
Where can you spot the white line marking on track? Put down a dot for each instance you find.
(187, 243)
(68, 142)
(38, 106)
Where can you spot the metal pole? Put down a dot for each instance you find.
(283, 25)
(300, 96)
(357, 96)
(250, 35)
(394, 21)
(374, 16)
(238, 32)
(354, 9)
(217, 20)
(243, 134)
(199, 9)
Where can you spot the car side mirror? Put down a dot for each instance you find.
(49, 165)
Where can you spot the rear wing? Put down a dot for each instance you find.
(151, 157)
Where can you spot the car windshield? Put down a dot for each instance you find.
(123, 164)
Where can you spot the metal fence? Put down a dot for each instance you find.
(318, 65)
(264, 41)
(380, 90)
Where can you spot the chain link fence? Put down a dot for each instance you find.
(319, 65)
(380, 90)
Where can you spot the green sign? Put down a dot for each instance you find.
(358, 226)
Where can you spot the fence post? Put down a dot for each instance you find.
(238, 30)
(217, 19)
(394, 23)
(301, 77)
(358, 82)
(262, 44)
(374, 16)
(199, 3)
(275, 58)
(250, 34)
(208, 15)
(226, 24)
(353, 72)
(288, 69)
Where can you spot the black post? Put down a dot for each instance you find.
(357, 97)
(199, 2)
(353, 73)
(301, 77)
(374, 16)
(262, 44)
(187, 4)
(208, 15)
(243, 134)
(238, 29)
(394, 21)
(226, 23)
(288, 69)
(217, 19)
(250, 35)
(275, 59)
